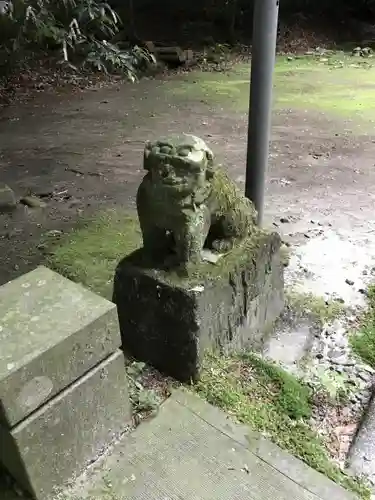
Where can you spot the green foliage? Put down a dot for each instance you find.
(273, 403)
(142, 399)
(363, 342)
(80, 29)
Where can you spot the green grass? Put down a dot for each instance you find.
(363, 342)
(274, 403)
(90, 254)
(341, 86)
(317, 307)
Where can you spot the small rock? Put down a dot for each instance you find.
(8, 201)
(339, 299)
(54, 232)
(363, 291)
(366, 51)
(33, 202)
(335, 353)
(364, 376)
(349, 282)
(211, 257)
(348, 369)
(343, 360)
(284, 220)
(367, 369)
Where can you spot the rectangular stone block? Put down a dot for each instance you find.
(170, 321)
(61, 438)
(52, 331)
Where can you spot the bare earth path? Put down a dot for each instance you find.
(319, 169)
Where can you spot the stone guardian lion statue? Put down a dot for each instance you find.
(186, 203)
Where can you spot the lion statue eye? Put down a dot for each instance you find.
(184, 152)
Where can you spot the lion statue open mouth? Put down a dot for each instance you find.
(185, 202)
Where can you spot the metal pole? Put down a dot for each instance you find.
(262, 66)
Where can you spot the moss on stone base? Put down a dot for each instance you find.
(196, 274)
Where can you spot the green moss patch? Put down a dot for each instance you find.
(90, 254)
(363, 342)
(272, 402)
(307, 304)
(340, 85)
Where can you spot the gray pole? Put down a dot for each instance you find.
(262, 66)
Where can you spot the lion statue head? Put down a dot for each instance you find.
(180, 165)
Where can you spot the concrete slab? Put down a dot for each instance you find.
(193, 451)
(52, 331)
(169, 320)
(57, 441)
(361, 458)
(290, 345)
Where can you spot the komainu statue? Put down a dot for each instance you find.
(186, 203)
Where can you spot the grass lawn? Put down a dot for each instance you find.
(341, 85)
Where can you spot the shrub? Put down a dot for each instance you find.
(79, 29)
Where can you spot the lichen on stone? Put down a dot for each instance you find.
(186, 202)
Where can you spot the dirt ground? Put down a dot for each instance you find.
(82, 153)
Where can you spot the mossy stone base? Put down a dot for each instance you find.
(59, 440)
(170, 321)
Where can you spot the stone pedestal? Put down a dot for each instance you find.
(63, 386)
(169, 321)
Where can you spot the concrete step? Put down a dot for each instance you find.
(190, 451)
